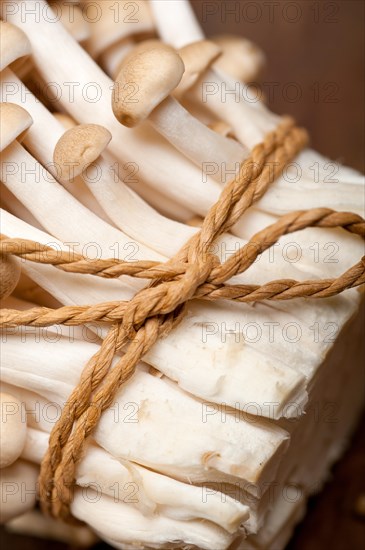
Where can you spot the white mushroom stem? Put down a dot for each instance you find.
(154, 493)
(126, 209)
(124, 527)
(148, 417)
(114, 32)
(200, 144)
(188, 28)
(16, 163)
(112, 58)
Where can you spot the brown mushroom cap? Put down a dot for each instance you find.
(78, 148)
(14, 122)
(14, 44)
(144, 81)
(9, 275)
(142, 46)
(240, 57)
(197, 58)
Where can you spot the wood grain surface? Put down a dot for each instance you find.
(317, 48)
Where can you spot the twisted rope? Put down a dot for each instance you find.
(154, 311)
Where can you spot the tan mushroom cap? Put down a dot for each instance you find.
(9, 275)
(14, 122)
(14, 44)
(241, 58)
(78, 148)
(144, 81)
(197, 58)
(13, 429)
(143, 46)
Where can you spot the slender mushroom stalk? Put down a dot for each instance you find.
(235, 448)
(13, 429)
(73, 19)
(157, 493)
(142, 91)
(125, 208)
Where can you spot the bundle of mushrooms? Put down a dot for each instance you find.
(120, 126)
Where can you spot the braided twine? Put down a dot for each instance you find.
(155, 310)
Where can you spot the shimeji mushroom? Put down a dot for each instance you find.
(114, 21)
(125, 208)
(205, 314)
(115, 477)
(235, 449)
(13, 429)
(155, 493)
(143, 91)
(116, 199)
(164, 205)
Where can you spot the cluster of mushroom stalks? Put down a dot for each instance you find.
(205, 445)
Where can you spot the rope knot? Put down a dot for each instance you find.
(163, 297)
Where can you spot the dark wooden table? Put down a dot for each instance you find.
(317, 49)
